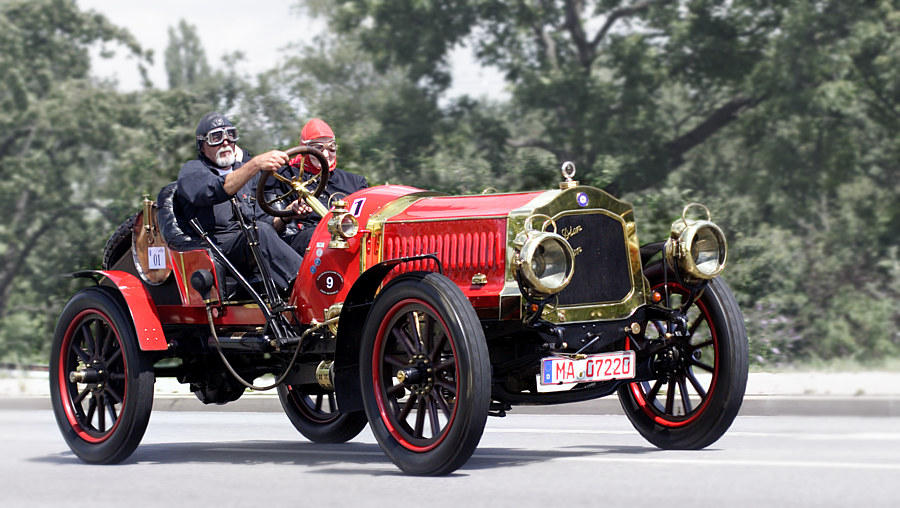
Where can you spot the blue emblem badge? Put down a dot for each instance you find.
(582, 199)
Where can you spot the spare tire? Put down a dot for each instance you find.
(119, 243)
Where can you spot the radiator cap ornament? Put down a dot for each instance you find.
(568, 173)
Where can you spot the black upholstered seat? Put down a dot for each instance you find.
(167, 215)
(178, 239)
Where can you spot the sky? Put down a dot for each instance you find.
(261, 29)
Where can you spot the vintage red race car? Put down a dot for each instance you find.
(418, 313)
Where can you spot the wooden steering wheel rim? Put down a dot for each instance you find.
(291, 152)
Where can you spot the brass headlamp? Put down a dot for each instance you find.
(696, 248)
(545, 260)
(342, 225)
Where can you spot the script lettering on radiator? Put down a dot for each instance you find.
(570, 231)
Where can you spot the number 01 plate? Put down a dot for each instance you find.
(602, 367)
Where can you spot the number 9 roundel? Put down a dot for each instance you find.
(329, 282)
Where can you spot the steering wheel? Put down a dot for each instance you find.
(297, 185)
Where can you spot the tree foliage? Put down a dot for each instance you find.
(76, 155)
(779, 114)
(56, 133)
(186, 64)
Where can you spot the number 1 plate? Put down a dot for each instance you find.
(557, 370)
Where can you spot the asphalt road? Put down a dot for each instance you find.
(191, 458)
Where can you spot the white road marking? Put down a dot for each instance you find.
(857, 436)
(717, 462)
(298, 452)
(818, 436)
(560, 431)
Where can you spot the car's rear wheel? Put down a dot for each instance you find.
(101, 384)
(314, 413)
(425, 374)
(702, 375)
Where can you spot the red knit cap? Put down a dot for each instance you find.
(315, 129)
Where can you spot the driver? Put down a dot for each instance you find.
(298, 230)
(214, 186)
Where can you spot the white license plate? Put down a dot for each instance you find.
(601, 367)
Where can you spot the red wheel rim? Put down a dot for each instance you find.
(91, 344)
(646, 398)
(395, 413)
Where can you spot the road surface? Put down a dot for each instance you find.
(203, 458)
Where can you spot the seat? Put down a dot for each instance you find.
(167, 214)
(179, 240)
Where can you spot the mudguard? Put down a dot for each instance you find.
(144, 315)
(350, 327)
(649, 250)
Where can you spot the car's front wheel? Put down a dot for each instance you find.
(701, 375)
(425, 374)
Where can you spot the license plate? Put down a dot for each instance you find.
(557, 370)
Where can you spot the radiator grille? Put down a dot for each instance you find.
(602, 268)
(473, 247)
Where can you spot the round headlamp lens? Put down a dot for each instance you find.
(547, 263)
(706, 251)
(538, 265)
(348, 226)
(551, 258)
(696, 247)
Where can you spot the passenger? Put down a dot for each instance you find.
(212, 187)
(298, 230)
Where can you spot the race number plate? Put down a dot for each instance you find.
(557, 370)
(156, 258)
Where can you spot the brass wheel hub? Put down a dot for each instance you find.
(94, 376)
(418, 376)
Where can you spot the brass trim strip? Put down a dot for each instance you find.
(187, 295)
(447, 219)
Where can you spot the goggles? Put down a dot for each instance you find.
(330, 146)
(218, 136)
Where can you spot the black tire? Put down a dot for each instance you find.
(422, 321)
(314, 413)
(95, 338)
(692, 404)
(119, 243)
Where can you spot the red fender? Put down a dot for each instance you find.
(143, 311)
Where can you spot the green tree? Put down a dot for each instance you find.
(76, 155)
(631, 86)
(266, 117)
(58, 131)
(807, 184)
(185, 58)
(779, 114)
(391, 129)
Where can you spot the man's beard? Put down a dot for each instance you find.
(224, 160)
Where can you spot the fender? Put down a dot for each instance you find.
(144, 315)
(649, 250)
(350, 329)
